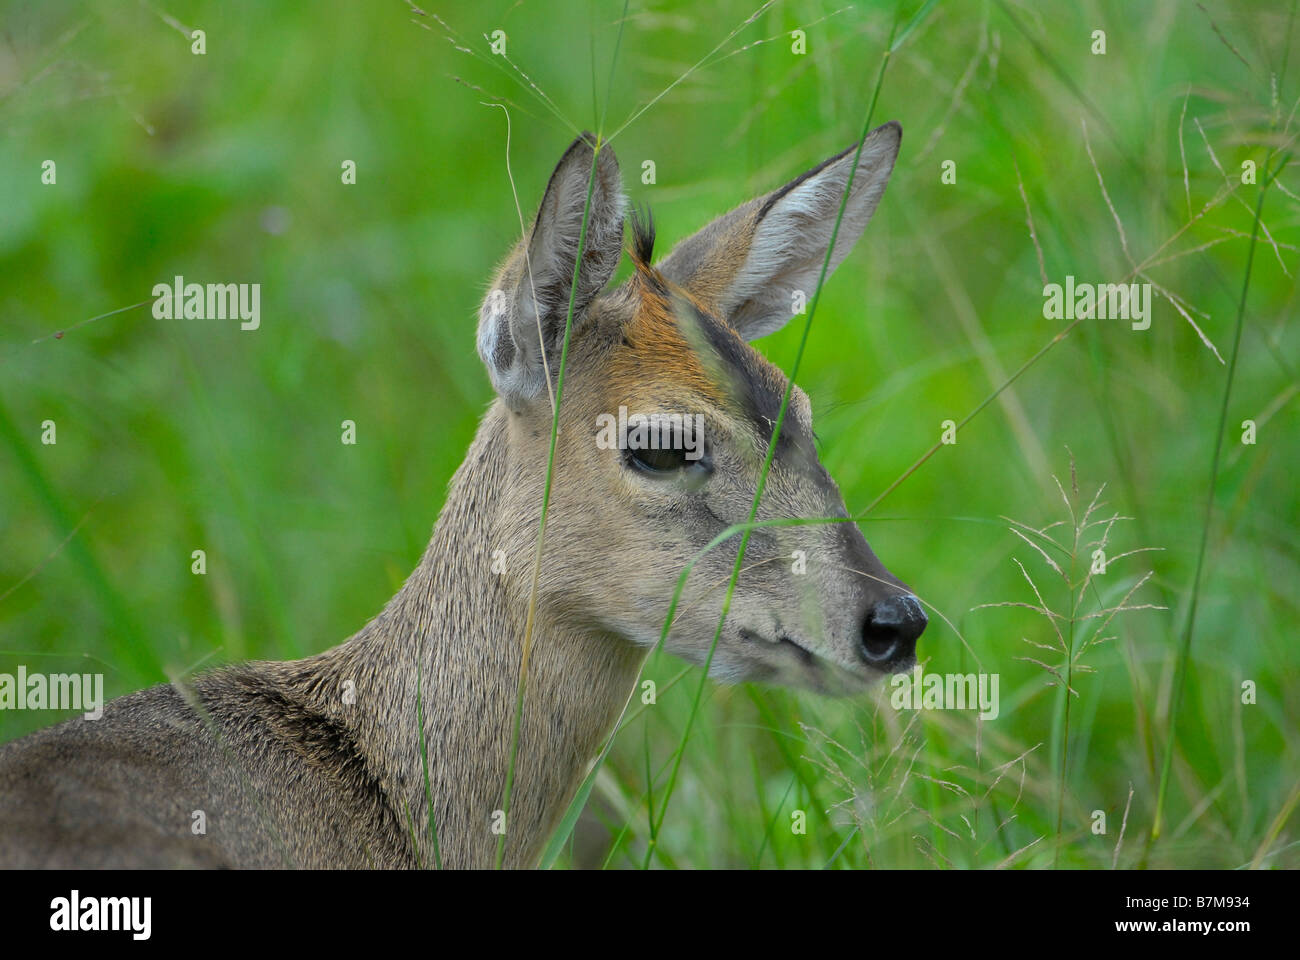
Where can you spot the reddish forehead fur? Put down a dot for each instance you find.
(654, 352)
(655, 361)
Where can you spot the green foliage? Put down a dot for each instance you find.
(183, 435)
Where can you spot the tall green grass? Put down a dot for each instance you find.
(173, 438)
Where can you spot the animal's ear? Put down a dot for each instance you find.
(748, 265)
(526, 309)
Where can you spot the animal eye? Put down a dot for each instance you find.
(663, 446)
(659, 461)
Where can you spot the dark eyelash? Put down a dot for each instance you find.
(700, 467)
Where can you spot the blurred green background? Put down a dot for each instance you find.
(174, 436)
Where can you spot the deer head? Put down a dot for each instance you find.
(631, 504)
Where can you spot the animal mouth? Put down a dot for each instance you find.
(803, 653)
(816, 672)
(806, 656)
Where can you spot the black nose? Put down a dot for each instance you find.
(890, 631)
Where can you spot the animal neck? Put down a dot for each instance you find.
(450, 646)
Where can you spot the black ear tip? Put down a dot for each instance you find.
(585, 144)
(892, 130)
(888, 137)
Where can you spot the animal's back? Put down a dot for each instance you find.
(270, 782)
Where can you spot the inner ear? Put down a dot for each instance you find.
(753, 265)
(558, 228)
(523, 318)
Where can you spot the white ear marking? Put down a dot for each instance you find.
(790, 241)
(525, 312)
(784, 237)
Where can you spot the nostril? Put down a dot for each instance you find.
(878, 646)
(891, 628)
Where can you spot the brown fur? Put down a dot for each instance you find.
(319, 762)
